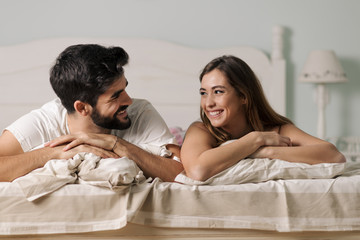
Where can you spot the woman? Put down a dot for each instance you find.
(234, 107)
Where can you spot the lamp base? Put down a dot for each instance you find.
(322, 101)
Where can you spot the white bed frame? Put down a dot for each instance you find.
(164, 73)
(167, 75)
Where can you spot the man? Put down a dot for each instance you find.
(93, 114)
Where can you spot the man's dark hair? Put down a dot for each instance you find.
(85, 71)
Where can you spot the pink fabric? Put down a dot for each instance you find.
(178, 133)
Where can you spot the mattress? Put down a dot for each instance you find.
(284, 205)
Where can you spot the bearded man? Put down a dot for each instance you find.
(93, 113)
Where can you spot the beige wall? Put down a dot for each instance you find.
(310, 25)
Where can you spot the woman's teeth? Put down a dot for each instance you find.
(214, 113)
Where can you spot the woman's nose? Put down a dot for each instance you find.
(210, 101)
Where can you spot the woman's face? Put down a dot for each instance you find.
(220, 102)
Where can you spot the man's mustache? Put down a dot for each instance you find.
(122, 108)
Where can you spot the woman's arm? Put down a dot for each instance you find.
(202, 159)
(306, 148)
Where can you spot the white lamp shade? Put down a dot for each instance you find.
(322, 66)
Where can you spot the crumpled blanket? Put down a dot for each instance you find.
(264, 169)
(84, 168)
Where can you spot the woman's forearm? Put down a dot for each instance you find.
(215, 160)
(311, 154)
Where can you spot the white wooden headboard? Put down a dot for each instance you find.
(167, 74)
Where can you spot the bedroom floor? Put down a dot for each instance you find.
(133, 231)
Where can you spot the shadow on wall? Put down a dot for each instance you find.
(348, 92)
(290, 84)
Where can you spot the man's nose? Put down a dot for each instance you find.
(127, 100)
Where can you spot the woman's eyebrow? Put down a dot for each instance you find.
(214, 87)
(218, 86)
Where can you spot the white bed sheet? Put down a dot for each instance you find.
(279, 205)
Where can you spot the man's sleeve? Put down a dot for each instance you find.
(153, 128)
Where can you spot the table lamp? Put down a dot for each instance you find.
(322, 67)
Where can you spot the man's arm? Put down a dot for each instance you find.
(152, 165)
(15, 163)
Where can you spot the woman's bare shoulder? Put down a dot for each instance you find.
(289, 127)
(198, 125)
(198, 132)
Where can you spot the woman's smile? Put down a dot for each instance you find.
(215, 113)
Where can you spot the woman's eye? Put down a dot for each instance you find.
(218, 91)
(202, 93)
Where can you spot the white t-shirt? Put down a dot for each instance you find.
(148, 130)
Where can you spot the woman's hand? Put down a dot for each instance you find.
(273, 139)
(102, 141)
(262, 152)
(269, 139)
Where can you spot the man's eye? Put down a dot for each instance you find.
(115, 97)
(202, 93)
(218, 91)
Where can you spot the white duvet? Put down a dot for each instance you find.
(83, 168)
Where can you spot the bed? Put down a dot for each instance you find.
(257, 199)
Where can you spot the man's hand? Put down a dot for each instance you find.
(152, 165)
(86, 140)
(103, 153)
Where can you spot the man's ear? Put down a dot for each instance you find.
(82, 108)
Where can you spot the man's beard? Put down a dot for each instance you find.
(111, 122)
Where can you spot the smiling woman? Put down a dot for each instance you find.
(234, 107)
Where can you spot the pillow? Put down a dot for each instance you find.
(264, 169)
(178, 133)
